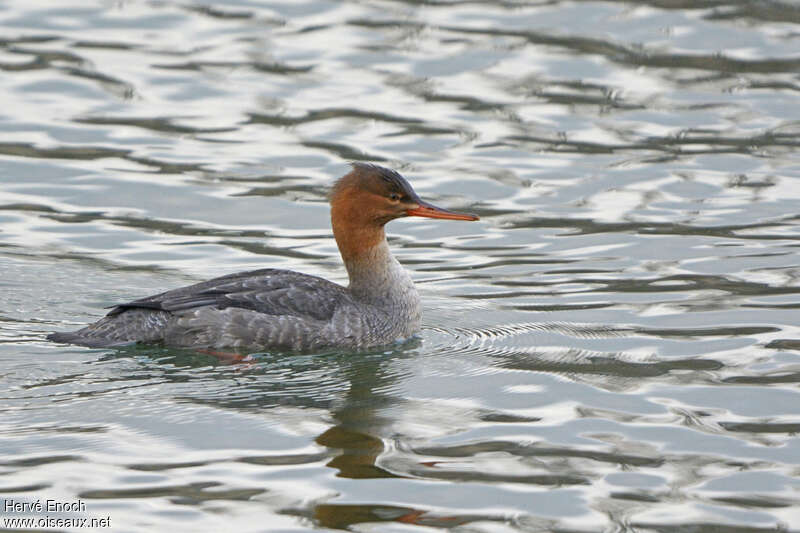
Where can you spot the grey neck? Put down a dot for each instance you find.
(377, 278)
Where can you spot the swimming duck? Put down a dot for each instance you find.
(282, 309)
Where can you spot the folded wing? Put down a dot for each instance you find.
(268, 291)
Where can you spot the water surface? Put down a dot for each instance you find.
(613, 347)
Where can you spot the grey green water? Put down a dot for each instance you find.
(614, 347)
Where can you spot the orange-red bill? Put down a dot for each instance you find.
(427, 210)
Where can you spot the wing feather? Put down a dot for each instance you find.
(269, 291)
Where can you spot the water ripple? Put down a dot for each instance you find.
(613, 346)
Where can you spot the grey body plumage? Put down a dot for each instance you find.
(271, 308)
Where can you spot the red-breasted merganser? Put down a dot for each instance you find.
(281, 309)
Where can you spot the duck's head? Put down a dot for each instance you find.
(369, 196)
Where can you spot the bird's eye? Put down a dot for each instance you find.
(394, 197)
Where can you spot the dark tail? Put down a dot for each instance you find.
(119, 329)
(75, 337)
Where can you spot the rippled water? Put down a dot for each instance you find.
(614, 347)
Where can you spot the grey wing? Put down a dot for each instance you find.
(267, 291)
